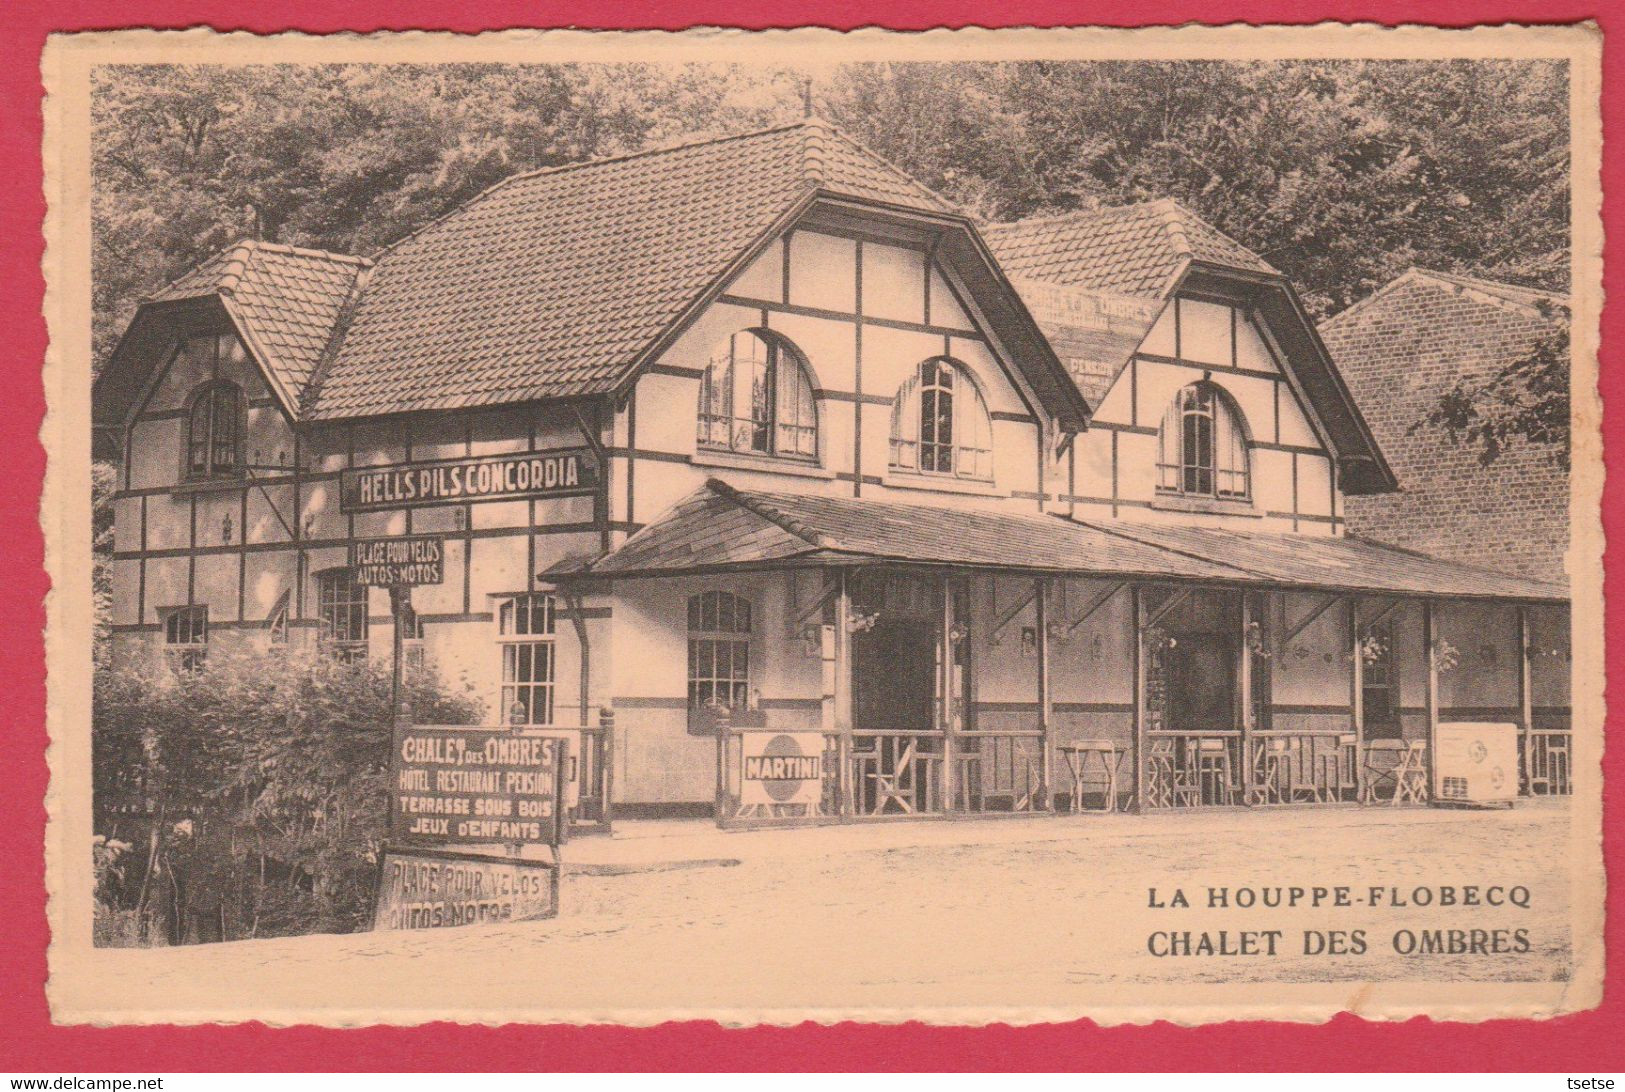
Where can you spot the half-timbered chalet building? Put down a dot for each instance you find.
(756, 434)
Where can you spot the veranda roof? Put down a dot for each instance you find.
(721, 528)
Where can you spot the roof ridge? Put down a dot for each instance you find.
(580, 164)
(306, 252)
(1488, 285)
(237, 261)
(1173, 220)
(1104, 529)
(1185, 210)
(1479, 284)
(816, 124)
(754, 503)
(1074, 214)
(335, 338)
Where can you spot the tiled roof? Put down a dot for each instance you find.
(287, 300)
(552, 284)
(1132, 250)
(721, 526)
(1343, 563)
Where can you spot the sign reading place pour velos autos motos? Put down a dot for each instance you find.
(437, 888)
(476, 786)
(406, 561)
(516, 476)
(781, 767)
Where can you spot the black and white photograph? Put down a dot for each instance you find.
(1012, 526)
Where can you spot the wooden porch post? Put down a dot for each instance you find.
(843, 692)
(1244, 694)
(1357, 696)
(1045, 799)
(1432, 693)
(1526, 702)
(1137, 615)
(945, 704)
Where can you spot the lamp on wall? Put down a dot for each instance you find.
(225, 528)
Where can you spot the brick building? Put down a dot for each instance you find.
(1402, 347)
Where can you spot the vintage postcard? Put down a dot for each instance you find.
(965, 526)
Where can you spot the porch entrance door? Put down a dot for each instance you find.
(897, 751)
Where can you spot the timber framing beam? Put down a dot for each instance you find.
(1008, 615)
(1382, 615)
(1304, 623)
(1100, 600)
(1169, 605)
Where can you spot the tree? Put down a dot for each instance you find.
(251, 793)
(1527, 400)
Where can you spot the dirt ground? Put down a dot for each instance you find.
(678, 918)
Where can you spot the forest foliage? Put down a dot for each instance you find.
(1341, 174)
(246, 798)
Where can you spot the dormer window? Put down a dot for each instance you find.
(1202, 448)
(214, 433)
(940, 423)
(756, 399)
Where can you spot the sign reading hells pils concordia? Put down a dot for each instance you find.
(475, 786)
(516, 476)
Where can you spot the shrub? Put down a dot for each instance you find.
(251, 793)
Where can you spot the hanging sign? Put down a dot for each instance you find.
(476, 786)
(514, 476)
(406, 561)
(436, 889)
(781, 767)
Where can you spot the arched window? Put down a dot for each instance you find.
(940, 425)
(756, 399)
(1202, 448)
(214, 433)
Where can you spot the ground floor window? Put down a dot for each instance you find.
(342, 609)
(525, 632)
(719, 627)
(186, 637)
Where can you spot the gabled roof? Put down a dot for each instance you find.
(286, 302)
(553, 284)
(1130, 250)
(720, 528)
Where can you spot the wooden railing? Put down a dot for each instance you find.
(897, 772)
(1548, 762)
(1299, 767)
(892, 772)
(1193, 769)
(1001, 771)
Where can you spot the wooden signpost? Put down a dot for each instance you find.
(459, 786)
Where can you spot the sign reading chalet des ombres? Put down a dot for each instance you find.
(402, 562)
(515, 476)
(475, 786)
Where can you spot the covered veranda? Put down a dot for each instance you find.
(972, 662)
